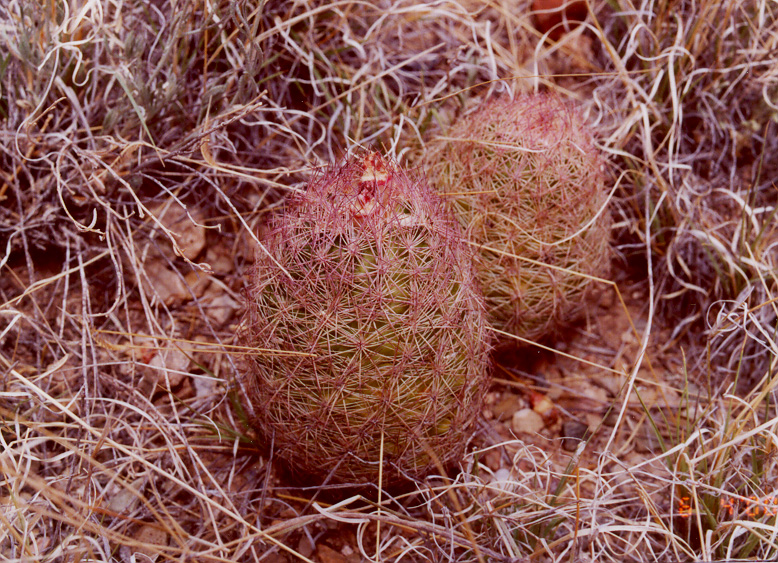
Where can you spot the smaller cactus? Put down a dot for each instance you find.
(526, 180)
(367, 272)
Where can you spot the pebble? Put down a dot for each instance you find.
(527, 421)
(573, 432)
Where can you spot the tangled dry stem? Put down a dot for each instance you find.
(691, 116)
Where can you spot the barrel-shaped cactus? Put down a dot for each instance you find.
(526, 182)
(368, 293)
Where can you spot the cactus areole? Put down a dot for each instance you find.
(367, 274)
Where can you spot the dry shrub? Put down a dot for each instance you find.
(128, 167)
(364, 73)
(690, 114)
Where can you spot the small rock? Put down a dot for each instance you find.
(573, 432)
(506, 406)
(541, 404)
(172, 365)
(502, 479)
(492, 459)
(220, 259)
(165, 367)
(166, 284)
(125, 500)
(198, 282)
(305, 547)
(328, 555)
(204, 386)
(190, 237)
(219, 306)
(153, 539)
(545, 407)
(527, 421)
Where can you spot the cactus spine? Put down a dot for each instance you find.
(367, 272)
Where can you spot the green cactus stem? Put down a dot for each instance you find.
(526, 182)
(380, 289)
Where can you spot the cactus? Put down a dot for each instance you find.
(367, 273)
(527, 184)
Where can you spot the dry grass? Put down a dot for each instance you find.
(692, 103)
(143, 142)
